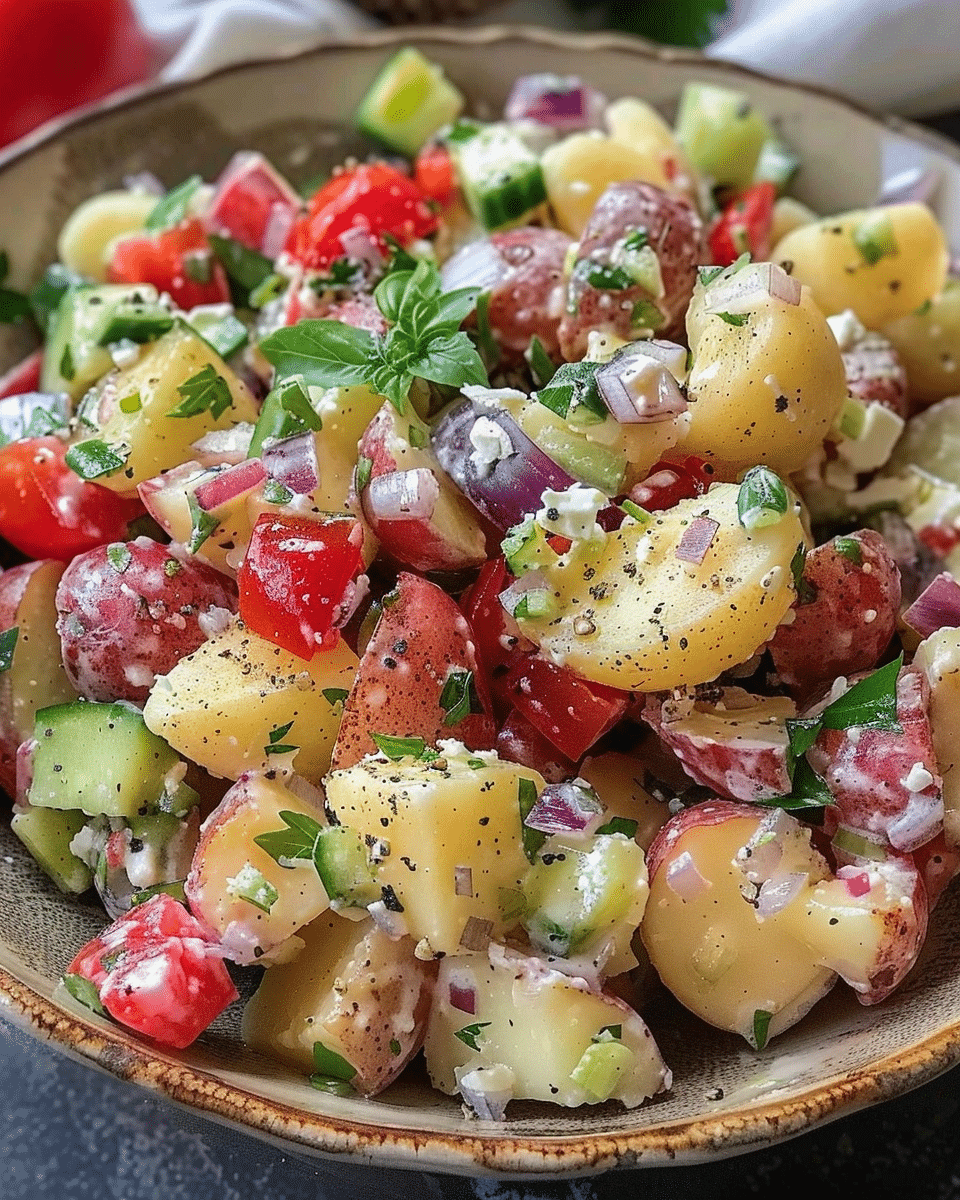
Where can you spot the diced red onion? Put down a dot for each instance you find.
(937, 606)
(277, 229)
(639, 389)
(224, 446)
(354, 595)
(476, 934)
(462, 991)
(503, 491)
(565, 103)
(856, 879)
(915, 184)
(358, 244)
(304, 790)
(697, 539)
(478, 264)
(752, 285)
(463, 881)
(402, 495)
(760, 858)
(563, 807)
(293, 462)
(230, 483)
(683, 877)
(775, 894)
(488, 1102)
(610, 517)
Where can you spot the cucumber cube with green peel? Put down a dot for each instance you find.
(100, 759)
(722, 132)
(409, 101)
(47, 834)
(501, 177)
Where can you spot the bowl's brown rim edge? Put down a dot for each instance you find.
(496, 1153)
(499, 1154)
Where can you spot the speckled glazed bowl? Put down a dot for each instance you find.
(725, 1099)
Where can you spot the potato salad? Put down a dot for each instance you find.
(455, 599)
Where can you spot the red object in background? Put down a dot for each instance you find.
(58, 54)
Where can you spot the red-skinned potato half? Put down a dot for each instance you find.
(418, 677)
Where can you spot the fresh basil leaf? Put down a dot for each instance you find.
(620, 825)
(325, 353)
(46, 296)
(207, 391)
(396, 748)
(532, 839)
(452, 360)
(330, 1064)
(761, 1027)
(14, 306)
(84, 991)
(736, 319)
(870, 704)
(541, 364)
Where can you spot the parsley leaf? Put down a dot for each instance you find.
(206, 391)
(296, 841)
(202, 524)
(459, 697)
(8, 644)
(93, 459)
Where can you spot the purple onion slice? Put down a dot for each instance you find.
(564, 103)
(498, 468)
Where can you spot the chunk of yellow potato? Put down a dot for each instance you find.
(880, 262)
(627, 611)
(220, 705)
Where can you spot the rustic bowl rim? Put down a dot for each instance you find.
(502, 1155)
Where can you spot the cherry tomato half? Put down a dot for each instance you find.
(48, 511)
(294, 578)
(178, 261)
(744, 226)
(373, 196)
(434, 174)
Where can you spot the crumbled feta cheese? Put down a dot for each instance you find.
(572, 513)
(918, 778)
(847, 329)
(490, 443)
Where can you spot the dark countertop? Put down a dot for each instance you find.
(69, 1132)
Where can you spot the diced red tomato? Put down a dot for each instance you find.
(48, 511)
(434, 174)
(744, 226)
(24, 377)
(253, 204)
(571, 713)
(669, 482)
(373, 196)
(294, 577)
(499, 643)
(156, 971)
(178, 261)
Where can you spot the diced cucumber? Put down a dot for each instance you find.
(286, 411)
(408, 102)
(722, 132)
(576, 893)
(589, 462)
(341, 863)
(100, 759)
(224, 332)
(500, 176)
(47, 834)
(76, 353)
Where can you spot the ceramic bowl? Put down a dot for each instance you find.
(726, 1098)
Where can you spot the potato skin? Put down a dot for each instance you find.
(766, 391)
(825, 256)
(122, 625)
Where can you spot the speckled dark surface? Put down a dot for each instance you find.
(68, 1132)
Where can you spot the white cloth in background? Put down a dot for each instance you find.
(894, 55)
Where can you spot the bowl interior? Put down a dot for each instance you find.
(726, 1098)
